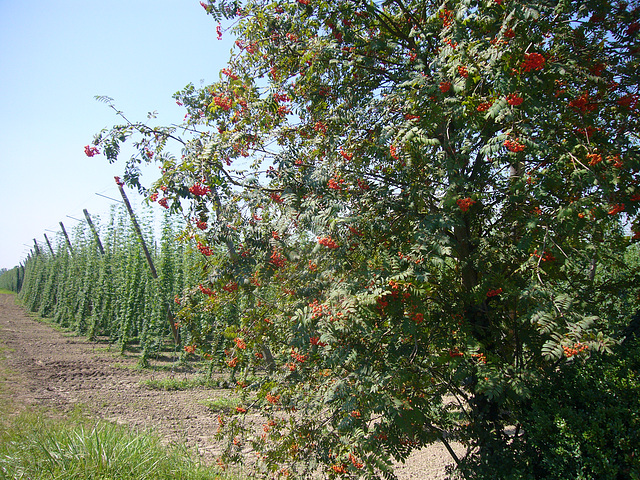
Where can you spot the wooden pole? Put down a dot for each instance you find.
(36, 245)
(154, 274)
(66, 238)
(49, 244)
(93, 229)
(136, 227)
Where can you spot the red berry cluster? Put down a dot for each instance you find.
(223, 102)
(204, 249)
(320, 127)
(334, 184)
(617, 209)
(230, 287)
(206, 291)
(272, 398)
(583, 104)
(447, 17)
(90, 151)
(277, 259)
(328, 242)
(514, 146)
(199, 190)
(316, 341)
(276, 197)
(514, 99)
(347, 156)
(465, 203)
(544, 256)
(229, 74)
(575, 350)
(533, 61)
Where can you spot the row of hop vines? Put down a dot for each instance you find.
(11, 280)
(113, 295)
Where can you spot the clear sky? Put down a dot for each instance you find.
(55, 57)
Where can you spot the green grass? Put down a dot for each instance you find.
(34, 446)
(169, 383)
(222, 404)
(7, 292)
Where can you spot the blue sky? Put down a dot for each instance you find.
(55, 57)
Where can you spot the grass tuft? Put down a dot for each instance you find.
(37, 447)
(222, 404)
(169, 383)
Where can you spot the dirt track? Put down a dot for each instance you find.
(54, 369)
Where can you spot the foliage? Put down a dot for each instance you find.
(582, 424)
(411, 214)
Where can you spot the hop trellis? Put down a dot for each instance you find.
(113, 294)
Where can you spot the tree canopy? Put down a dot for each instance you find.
(412, 214)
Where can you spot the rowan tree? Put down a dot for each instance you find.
(420, 213)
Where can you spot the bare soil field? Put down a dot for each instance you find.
(50, 368)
